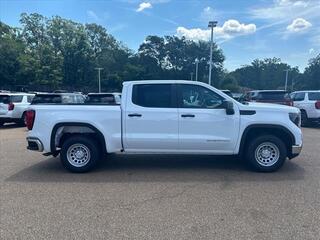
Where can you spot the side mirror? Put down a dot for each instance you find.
(228, 105)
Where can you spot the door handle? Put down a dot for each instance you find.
(134, 115)
(187, 115)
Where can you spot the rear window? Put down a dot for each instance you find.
(107, 99)
(152, 95)
(4, 99)
(314, 96)
(272, 96)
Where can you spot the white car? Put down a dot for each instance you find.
(166, 117)
(309, 104)
(13, 107)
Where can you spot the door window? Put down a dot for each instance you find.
(299, 96)
(193, 96)
(153, 95)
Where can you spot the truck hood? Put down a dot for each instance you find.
(268, 107)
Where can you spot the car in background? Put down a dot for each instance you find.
(268, 96)
(228, 92)
(309, 104)
(13, 107)
(58, 98)
(103, 98)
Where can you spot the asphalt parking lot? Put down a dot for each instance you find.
(157, 197)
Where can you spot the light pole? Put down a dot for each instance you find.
(191, 74)
(285, 86)
(99, 70)
(211, 25)
(196, 61)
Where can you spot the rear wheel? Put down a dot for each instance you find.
(266, 153)
(304, 119)
(79, 154)
(23, 120)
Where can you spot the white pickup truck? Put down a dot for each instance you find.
(168, 117)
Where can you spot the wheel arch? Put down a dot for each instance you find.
(258, 129)
(80, 126)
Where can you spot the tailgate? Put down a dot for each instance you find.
(3, 109)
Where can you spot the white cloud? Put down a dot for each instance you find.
(230, 29)
(287, 9)
(311, 51)
(298, 25)
(91, 14)
(143, 6)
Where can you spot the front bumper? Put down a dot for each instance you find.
(295, 151)
(34, 144)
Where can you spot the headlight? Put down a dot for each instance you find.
(295, 118)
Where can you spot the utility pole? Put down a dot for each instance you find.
(211, 25)
(197, 63)
(285, 87)
(99, 70)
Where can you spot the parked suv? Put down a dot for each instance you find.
(13, 107)
(309, 104)
(268, 96)
(103, 98)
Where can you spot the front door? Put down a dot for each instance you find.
(204, 127)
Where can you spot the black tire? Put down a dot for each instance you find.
(87, 145)
(304, 119)
(22, 121)
(276, 148)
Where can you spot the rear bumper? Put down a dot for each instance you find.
(34, 144)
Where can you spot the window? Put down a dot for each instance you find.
(29, 98)
(16, 98)
(192, 96)
(153, 95)
(314, 96)
(272, 96)
(106, 99)
(5, 99)
(299, 96)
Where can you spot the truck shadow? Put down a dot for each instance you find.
(11, 125)
(153, 168)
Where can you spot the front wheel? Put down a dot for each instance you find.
(266, 153)
(79, 154)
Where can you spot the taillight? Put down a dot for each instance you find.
(30, 116)
(317, 104)
(10, 106)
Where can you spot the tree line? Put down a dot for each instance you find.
(56, 53)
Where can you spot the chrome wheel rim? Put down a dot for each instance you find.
(267, 154)
(78, 155)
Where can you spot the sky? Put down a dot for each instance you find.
(246, 29)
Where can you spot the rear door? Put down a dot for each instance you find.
(151, 118)
(204, 127)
